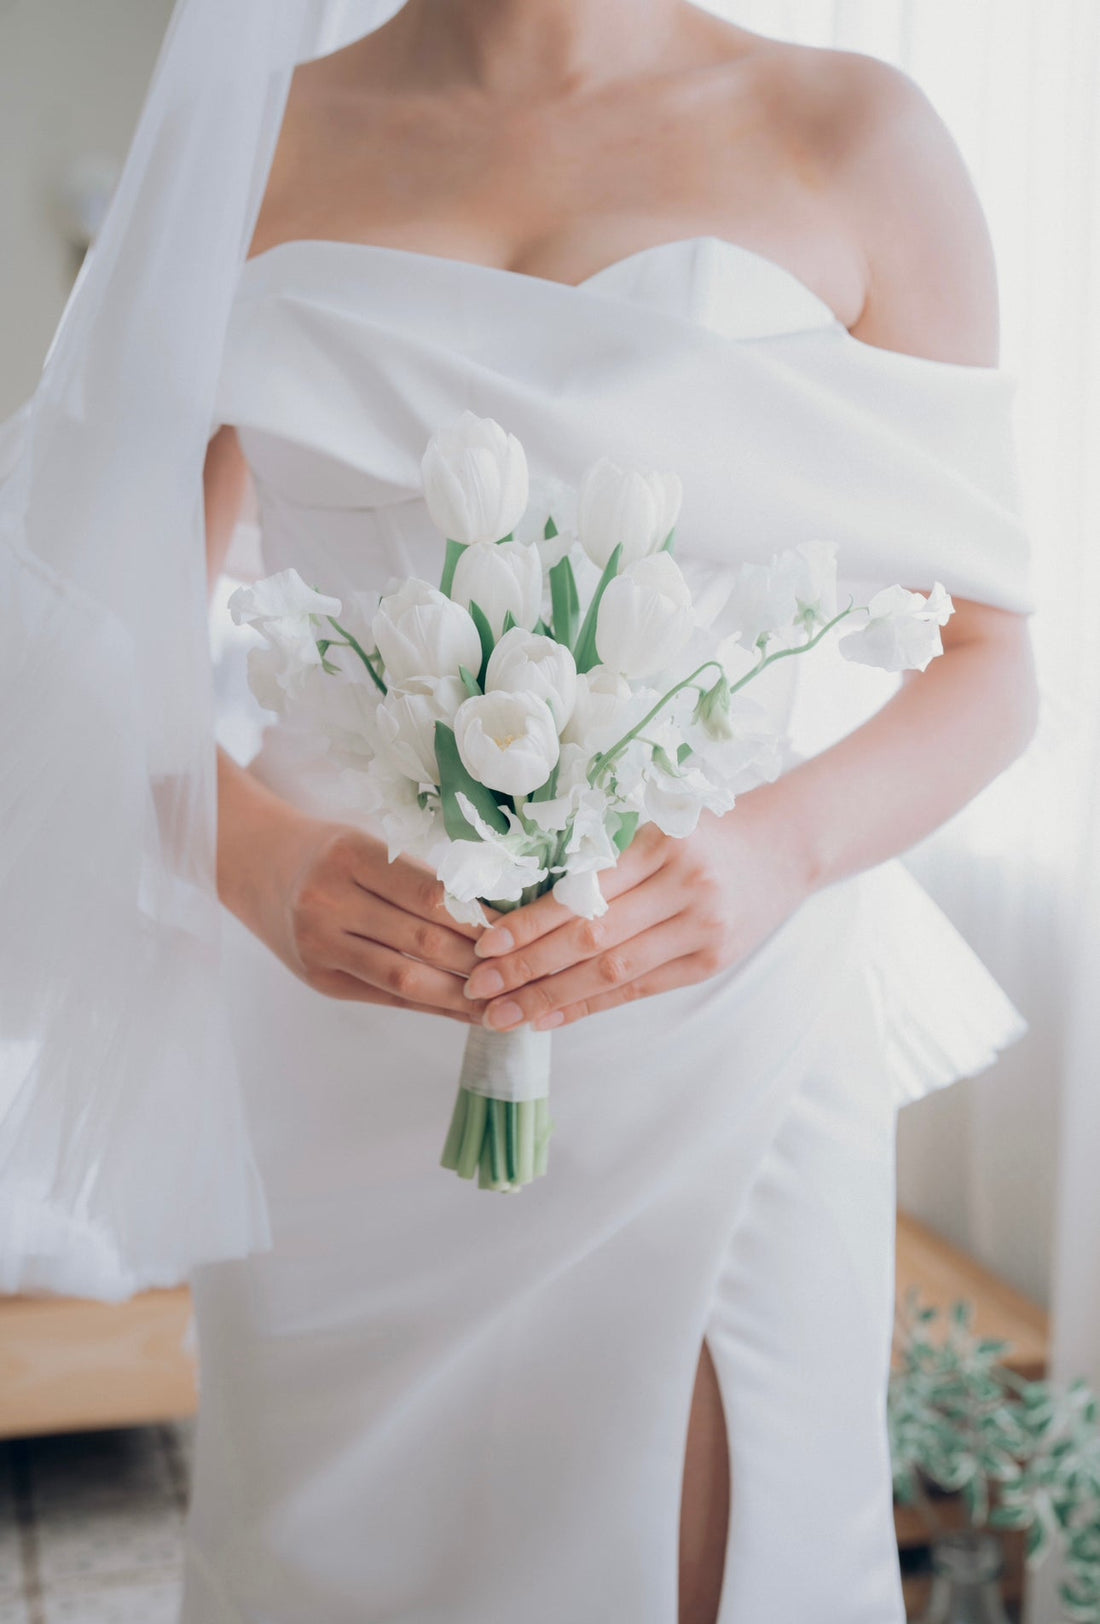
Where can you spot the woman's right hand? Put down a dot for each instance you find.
(327, 901)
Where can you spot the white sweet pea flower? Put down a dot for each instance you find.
(420, 633)
(279, 598)
(580, 892)
(508, 742)
(902, 632)
(291, 616)
(500, 580)
(814, 570)
(549, 498)
(389, 799)
(405, 723)
(475, 480)
(493, 868)
(628, 507)
(524, 662)
(645, 617)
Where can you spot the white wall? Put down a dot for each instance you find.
(72, 77)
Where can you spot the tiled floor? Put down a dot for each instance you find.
(90, 1527)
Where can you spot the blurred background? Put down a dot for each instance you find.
(1005, 1168)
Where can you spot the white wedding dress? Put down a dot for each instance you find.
(431, 1405)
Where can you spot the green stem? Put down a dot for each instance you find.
(602, 762)
(785, 653)
(362, 653)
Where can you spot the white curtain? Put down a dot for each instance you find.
(1009, 1165)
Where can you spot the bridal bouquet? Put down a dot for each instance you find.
(514, 726)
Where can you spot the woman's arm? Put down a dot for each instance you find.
(322, 895)
(684, 910)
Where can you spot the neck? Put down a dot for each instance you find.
(536, 46)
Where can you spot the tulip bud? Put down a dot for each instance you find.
(644, 618)
(420, 633)
(475, 480)
(500, 580)
(508, 742)
(524, 662)
(629, 508)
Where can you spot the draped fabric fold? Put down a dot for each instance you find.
(123, 1155)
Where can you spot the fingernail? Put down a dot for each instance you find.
(494, 942)
(484, 984)
(545, 1022)
(503, 1016)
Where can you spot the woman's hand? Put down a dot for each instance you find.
(327, 902)
(680, 911)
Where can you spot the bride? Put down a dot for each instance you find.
(655, 1381)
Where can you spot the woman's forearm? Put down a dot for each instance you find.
(944, 736)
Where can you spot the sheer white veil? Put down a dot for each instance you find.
(124, 1157)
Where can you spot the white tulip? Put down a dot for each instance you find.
(628, 507)
(405, 723)
(645, 618)
(902, 632)
(421, 633)
(524, 662)
(500, 580)
(600, 710)
(475, 480)
(508, 742)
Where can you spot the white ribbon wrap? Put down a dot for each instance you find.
(507, 1065)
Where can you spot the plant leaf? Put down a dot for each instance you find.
(469, 682)
(624, 834)
(485, 632)
(453, 779)
(547, 791)
(455, 550)
(565, 601)
(586, 654)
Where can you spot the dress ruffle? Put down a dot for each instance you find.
(943, 1017)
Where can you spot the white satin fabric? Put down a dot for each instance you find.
(429, 1405)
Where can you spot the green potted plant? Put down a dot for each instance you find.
(1022, 1455)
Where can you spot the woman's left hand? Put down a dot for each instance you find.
(680, 911)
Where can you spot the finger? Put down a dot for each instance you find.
(405, 979)
(415, 889)
(637, 910)
(377, 920)
(682, 972)
(614, 968)
(349, 989)
(526, 925)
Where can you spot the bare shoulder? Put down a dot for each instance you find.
(901, 189)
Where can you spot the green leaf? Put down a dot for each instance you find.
(509, 622)
(454, 779)
(566, 602)
(547, 791)
(455, 550)
(549, 529)
(624, 834)
(682, 752)
(586, 652)
(669, 543)
(469, 682)
(485, 632)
